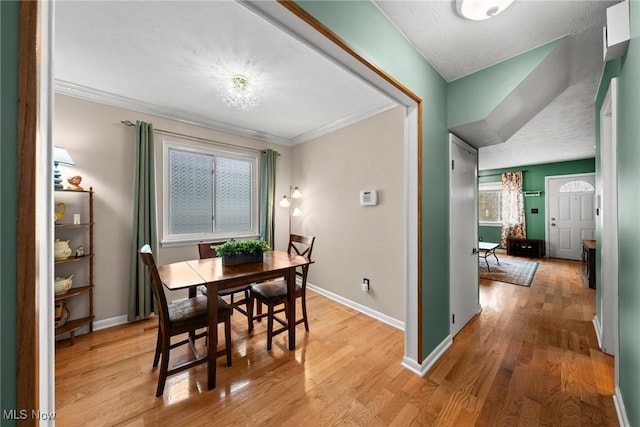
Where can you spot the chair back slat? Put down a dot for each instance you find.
(303, 246)
(208, 250)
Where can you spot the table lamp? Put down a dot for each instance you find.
(60, 157)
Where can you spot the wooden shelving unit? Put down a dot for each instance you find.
(82, 290)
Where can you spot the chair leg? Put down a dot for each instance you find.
(304, 312)
(250, 312)
(227, 339)
(156, 357)
(269, 326)
(259, 311)
(248, 306)
(164, 364)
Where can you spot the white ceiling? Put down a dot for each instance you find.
(164, 58)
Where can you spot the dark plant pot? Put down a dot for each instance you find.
(241, 259)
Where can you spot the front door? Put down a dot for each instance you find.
(464, 234)
(570, 214)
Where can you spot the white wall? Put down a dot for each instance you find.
(354, 241)
(103, 150)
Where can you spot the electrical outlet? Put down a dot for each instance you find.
(365, 285)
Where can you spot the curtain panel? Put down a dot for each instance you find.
(513, 220)
(144, 229)
(268, 195)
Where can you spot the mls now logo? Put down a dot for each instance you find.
(24, 414)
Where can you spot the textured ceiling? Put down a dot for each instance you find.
(166, 56)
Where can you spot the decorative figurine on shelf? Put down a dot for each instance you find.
(79, 252)
(74, 183)
(59, 214)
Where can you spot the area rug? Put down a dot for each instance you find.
(514, 271)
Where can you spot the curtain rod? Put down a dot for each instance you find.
(128, 123)
(497, 173)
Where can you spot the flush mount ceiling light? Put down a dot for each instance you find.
(241, 84)
(478, 10)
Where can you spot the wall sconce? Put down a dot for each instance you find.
(285, 202)
(60, 157)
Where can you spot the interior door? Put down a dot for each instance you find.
(570, 214)
(464, 233)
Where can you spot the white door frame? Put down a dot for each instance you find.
(546, 202)
(608, 216)
(455, 287)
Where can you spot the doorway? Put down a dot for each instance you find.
(570, 214)
(463, 254)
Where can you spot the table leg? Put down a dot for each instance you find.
(212, 333)
(291, 307)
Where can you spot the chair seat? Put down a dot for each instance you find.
(273, 291)
(194, 310)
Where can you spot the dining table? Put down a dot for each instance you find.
(212, 273)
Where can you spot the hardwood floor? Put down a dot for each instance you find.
(530, 358)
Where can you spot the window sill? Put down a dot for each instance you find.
(168, 243)
(490, 224)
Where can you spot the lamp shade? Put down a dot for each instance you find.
(296, 194)
(62, 157)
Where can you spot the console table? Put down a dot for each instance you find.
(589, 263)
(533, 248)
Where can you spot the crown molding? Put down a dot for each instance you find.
(101, 97)
(84, 92)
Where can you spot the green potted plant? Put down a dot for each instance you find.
(234, 252)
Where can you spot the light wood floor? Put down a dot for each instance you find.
(530, 358)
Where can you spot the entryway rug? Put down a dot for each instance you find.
(514, 271)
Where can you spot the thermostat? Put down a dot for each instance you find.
(369, 198)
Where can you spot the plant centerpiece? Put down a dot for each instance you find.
(236, 252)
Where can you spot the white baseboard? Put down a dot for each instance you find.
(358, 307)
(422, 368)
(107, 323)
(620, 409)
(596, 327)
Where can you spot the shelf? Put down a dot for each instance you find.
(64, 225)
(74, 292)
(74, 324)
(68, 190)
(73, 259)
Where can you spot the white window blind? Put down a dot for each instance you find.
(209, 194)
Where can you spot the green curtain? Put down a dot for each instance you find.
(268, 195)
(144, 228)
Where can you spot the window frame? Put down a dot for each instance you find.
(168, 239)
(485, 187)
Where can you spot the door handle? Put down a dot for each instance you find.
(474, 251)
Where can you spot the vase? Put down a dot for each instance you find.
(242, 259)
(61, 249)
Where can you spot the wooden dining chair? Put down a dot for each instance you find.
(274, 293)
(208, 250)
(177, 318)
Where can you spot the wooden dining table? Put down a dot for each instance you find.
(215, 276)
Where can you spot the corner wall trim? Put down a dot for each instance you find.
(596, 327)
(358, 307)
(108, 323)
(422, 368)
(620, 409)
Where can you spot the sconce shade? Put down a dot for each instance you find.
(284, 202)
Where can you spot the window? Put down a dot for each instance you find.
(490, 203)
(208, 194)
(576, 187)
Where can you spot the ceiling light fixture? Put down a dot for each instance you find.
(239, 93)
(478, 10)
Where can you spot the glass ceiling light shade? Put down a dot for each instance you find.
(478, 10)
(238, 92)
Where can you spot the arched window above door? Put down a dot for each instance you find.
(576, 186)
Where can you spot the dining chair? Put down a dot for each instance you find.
(177, 318)
(208, 250)
(274, 293)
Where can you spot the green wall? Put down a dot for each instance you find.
(363, 27)
(628, 157)
(9, 18)
(533, 180)
(474, 97)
